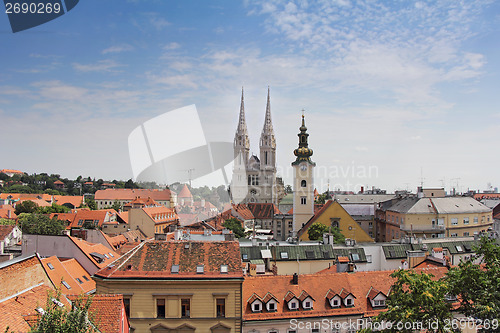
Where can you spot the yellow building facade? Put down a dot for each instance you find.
(178, 286)
(334, 215)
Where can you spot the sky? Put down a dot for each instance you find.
(395, 92)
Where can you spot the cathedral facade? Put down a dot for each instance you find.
(254, 177)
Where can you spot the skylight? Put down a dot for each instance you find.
(50, 265)
(175, 269)
(66, 284)
(284, 255)
(355, 256)
(111, 254)
(86, 278)
(200, 269)
(107, 257)
(79, 281)
(309, 254)
(459, 248)
(245, 256)
(224, 269)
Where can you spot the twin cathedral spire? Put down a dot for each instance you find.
(260, 170)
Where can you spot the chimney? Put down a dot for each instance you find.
(295, 278)
(362, 189)
(177, 234)
(9, 213)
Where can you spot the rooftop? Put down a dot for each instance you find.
(177, 260)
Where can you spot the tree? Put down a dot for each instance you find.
(55, 208)
(40, 224)
(476, 283)
(91, 203)
(58, 319)
(27, 206)
(7, 222)
(316, 231)
(321, 199)
(235, 226)
(116, 205)
(417, 302)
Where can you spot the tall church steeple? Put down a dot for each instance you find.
(241, 139)
(267, 140)
(303, 180)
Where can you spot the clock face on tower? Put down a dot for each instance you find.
(303, 167)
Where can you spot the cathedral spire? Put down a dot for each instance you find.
(241, 140)
(267, 136)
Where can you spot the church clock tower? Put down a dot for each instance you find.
(303, 180)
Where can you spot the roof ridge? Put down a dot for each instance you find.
(135, 250)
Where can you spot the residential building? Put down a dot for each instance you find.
(10, 235)
(68, 276)
(152, 220)
(302, 303)
(332, 214)
(432, 217)
(107, 197)
(183, 286)
(92, 257)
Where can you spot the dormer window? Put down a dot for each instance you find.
(307, 304)
(293, 305)
(271, 306)
(257, 306)
(335, 303)
(379, 302)
(349, 302)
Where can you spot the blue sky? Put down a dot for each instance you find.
(393, 90)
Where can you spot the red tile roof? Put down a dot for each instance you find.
(26, 196)
(263, 210)
(69, 200)
(93, 251)
(18, 309)
(161, 214)
(4, 212)
(185, 192)
(60, 277)
(154, 259)
(78, 273)
(142, 202)
(107, 310)
(243, 211)
(131, 194)
(320, 287)
(83, 215)
(5, 230)
(11, 171)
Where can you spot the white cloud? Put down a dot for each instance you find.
(100, 66)
(118, 48)
(172, 46)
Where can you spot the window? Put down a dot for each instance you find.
(454, 221)
(466, 234)
(378, 302)
(271, 306)
(303, 183)
(355, 256)
(348, 302)
(185, 307)
(284, 255)
(370, 225)
(50, 265)
(245, 256)
(466, 220)
(303, 200)
(293, 305)
(335, 302)
(307, 305)
(368, 258)
(80, 222)
(476, 219)
(454, 235)
(253, 180)
(223, 269)
(200, 269)
(66, 284)
(256, 307)
(86, 278)
(221, 307)
(315, 330)
(79, 281)
(160, 308)
(459, 248)
(126, 303)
